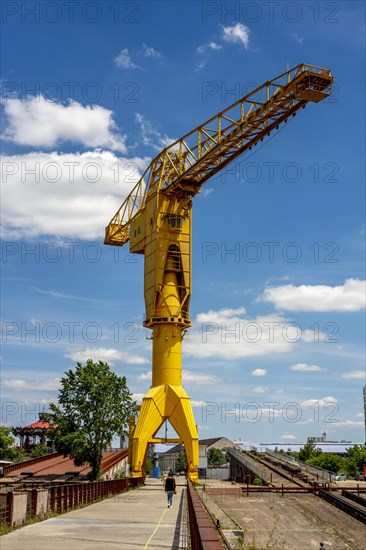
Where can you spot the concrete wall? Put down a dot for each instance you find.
(42, 502)
(19, 508)
(168, 463)
(218, 473)
(120, 468)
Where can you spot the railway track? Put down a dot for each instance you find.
(348, 505)
(353, 496)
(283, 470)
(287, 502)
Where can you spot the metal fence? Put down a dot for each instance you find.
(202, 533)
(57, 499)
(4, 509)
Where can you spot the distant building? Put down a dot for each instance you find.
(335, 447)
(321, 439)
(321, 442)
(168, 459)
(59, 469)
(31, 435)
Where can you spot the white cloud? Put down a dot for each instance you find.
(288, 437)
(109, 355)
(354, 374)
(224, 313)
(124, 60)
(145, 375)
(206, 191)
(151, 52)
(150, 136)
(197, 404)
(350, 424)
(299, 39)
(237, 34)
(38, 122)
(304, 367)
(351, 296)
(59, 295)
(204, 50)
(229, 334)
(254, 413)
(138, 397)
(17, 384)
(188, 377)
(322, 402)
(260, 389)
(200, 65)
(209, 46)
(213, 46)
(70, 195)
(259, 372)
(312, 335)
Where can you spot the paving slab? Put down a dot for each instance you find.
(137, 519)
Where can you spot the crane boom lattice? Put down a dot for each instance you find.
(200, 154)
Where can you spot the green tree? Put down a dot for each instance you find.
(148, 465)
(181, 462)
(39, 450)
(257, 481)
(93, 405)
(308, 451)
(7, 449)
(21, 455)
(328, 461)
(215, 457)
(356, 459)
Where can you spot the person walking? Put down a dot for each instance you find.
(170, 488)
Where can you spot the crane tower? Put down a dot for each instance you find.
(156, 219)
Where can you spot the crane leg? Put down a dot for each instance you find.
(161, 403)
(149, 421)
(182, 420)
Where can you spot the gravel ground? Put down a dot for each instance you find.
(300, 522)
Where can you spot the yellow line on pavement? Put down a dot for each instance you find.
(156, 528)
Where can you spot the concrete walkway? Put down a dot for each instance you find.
(137, 519)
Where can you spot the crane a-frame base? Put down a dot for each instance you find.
(161, 403)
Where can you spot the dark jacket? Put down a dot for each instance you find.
(170, 484)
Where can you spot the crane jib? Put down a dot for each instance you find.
(190, 161)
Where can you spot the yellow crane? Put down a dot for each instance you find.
(156, 219)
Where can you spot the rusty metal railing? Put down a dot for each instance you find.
(202, 532)
(62, 498)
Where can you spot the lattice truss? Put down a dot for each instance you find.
(193, 159)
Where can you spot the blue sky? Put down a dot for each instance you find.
(91, 92)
